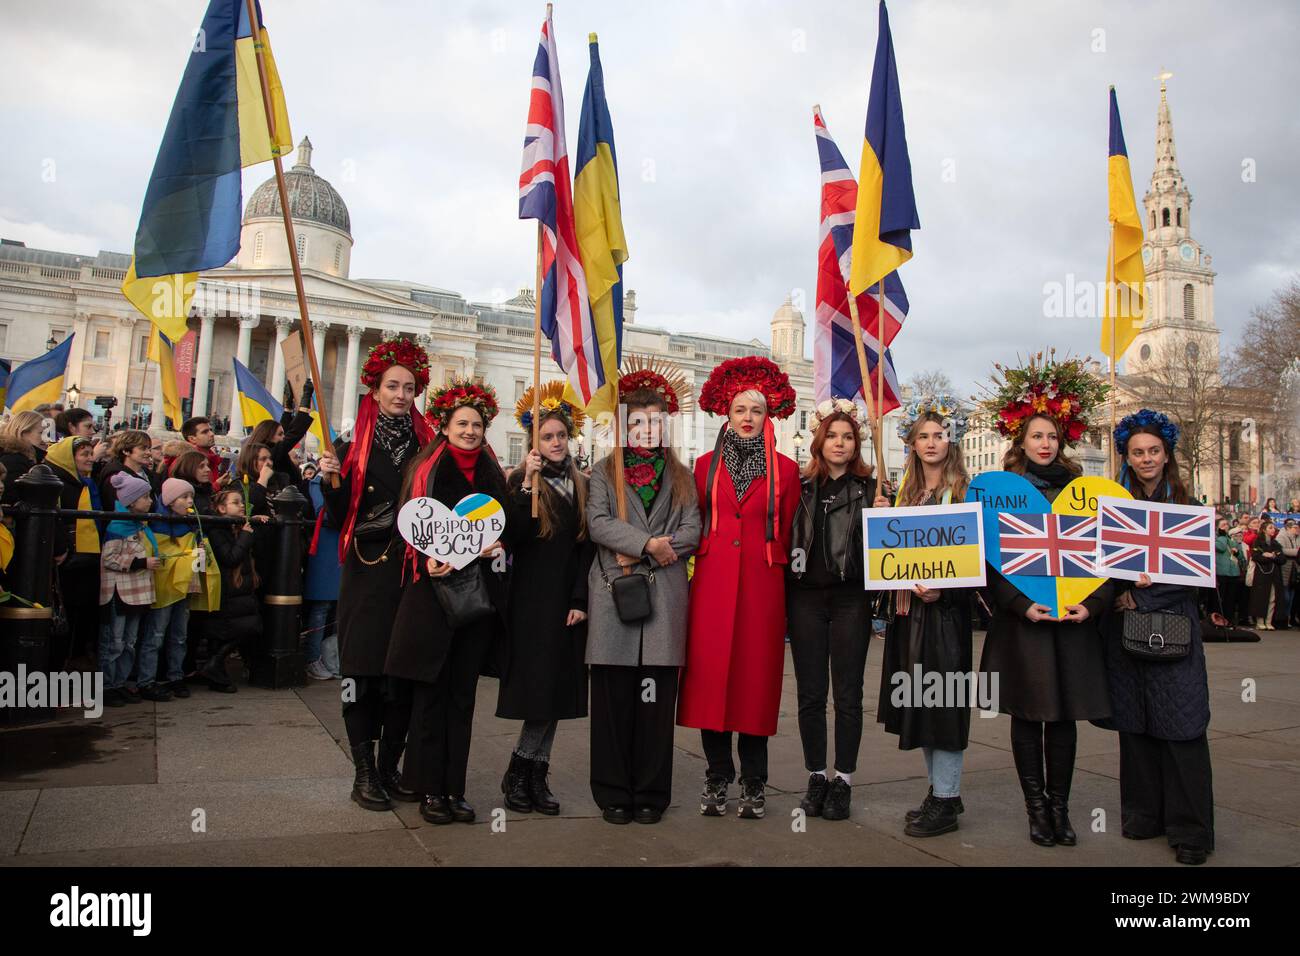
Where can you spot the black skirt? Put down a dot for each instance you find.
(936, 638)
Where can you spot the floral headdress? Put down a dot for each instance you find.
(1145, 418)
(949, 410)
(392, 352)
(742, 374)
(830, 406)
(663, 378)
(551, 402)
(444, 401)
(1066, 391)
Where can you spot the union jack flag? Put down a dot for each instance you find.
(546, 194)
(1169, 543)
(1048, 545)
(836, 373)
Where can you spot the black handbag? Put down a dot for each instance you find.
(631, 593)
(378, 520)
(463, 596)
(1157, 635)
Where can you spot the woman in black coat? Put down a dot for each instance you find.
(77, 553)
(1051, 672)
(441, 660)
(544, 674)
(387, 436)
(1160, 708)
(237, 623)
(1266, 585)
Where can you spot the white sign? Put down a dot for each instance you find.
(454, 536)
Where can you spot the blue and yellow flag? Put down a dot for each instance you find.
(1125, 274)
(256, 404)
(163, 352)
(5, 368)
(39, 381)
(191, 215)
(599, 220)
(886, 212)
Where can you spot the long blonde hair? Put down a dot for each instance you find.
(20, 423)
(955, 478)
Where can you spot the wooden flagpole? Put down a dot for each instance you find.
(876, 420)
(880, 360)
(537, 364)
(308, 345)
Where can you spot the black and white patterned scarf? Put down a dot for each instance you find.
(556, 474)
(396, 436)
(744, 459)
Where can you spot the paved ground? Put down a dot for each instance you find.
(264, 772)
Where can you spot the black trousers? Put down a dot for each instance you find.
(1165, 787)
(442, 716)
(829, 626)
(631, 737)
(752, 750)
(1231, 591)
(381, 707)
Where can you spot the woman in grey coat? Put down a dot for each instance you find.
(634, 666)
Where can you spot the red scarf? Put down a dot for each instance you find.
(363, 435)
(465, 460)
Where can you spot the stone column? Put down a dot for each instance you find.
(283, 326)
(318, 330)
(242, 349)
(353, 371)
(203, 365)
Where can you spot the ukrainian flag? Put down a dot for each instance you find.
(256, 404)
(162, 351)
(191, 215)
(40, 380)
(5, 368)
(886, 212)
(601, 243)
(1125, 274)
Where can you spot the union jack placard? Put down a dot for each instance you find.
(1170, 544)
(1047, 545)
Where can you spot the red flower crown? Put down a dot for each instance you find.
(663, 378)
(459, 393)
(742, 374)
(392, 352)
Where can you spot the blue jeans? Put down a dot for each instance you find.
(944, 768)
(169, 625)
(119, 626)
(317, 614)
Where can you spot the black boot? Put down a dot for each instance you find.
(1059, 750)
(367, 790)
(435, 809)
(515, 785)
(940, 816)
(389, 754)
(911, 815)
(214, 671)
(1027, 748)
(543, 800)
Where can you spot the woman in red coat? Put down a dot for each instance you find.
(735, 647)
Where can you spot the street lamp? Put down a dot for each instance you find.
(50, 343)
(798, 448)
(74, 393)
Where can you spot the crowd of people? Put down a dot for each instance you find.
(646, 597)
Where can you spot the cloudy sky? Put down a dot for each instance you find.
(416, 111)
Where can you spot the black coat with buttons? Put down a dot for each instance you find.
(370, 584)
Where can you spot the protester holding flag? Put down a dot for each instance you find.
(1051, 672)
(735, 651)
(830, 620)
(930, 632)
(22, 445)
(635, 656)
(1160, 708)
(439, 652)
(388, 434)
(543, 668)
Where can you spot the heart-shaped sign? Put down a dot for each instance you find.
(1079, 497)
(454, 536)
(1001, 491)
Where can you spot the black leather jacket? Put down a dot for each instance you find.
(843, 527)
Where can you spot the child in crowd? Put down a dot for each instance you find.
(127, 563)
(238, 621)
(174, 582)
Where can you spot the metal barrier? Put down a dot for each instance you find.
(25, 631)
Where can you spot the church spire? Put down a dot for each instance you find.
(1168, 201)
(1166, 174)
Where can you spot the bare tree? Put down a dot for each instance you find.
(930, 381)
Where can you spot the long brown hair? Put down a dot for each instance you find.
(425, 453)
(1015, 460)
(683, 482)
(186, 467)
(246, 464)
(549, 498)
(955, 476)
(1171, 489)
(264, 432)
(817, 469)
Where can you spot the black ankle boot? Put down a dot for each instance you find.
(389, 754)
(515, 785)
(367, 790)
(543, 800)
(1059, 751)
(435, 809)
(1028, 751)
(911, 815)
(938, 817)
(214, 671)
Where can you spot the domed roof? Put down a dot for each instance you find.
(311, 199)
(787, 312)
